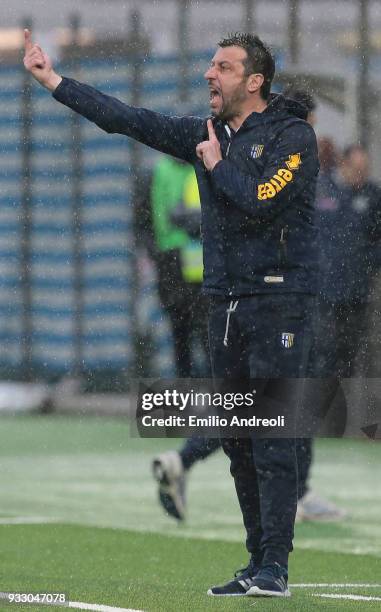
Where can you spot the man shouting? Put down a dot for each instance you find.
(256, 164)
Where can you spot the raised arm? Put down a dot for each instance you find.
(177, 136)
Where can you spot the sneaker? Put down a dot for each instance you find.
(239, 585)
(270, 581)
(314, 508)
(169, 472)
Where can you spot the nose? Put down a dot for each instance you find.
(210, 73)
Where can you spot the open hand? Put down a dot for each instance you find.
(209, 151)
(39, 64)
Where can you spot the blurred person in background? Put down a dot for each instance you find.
(349, 220)
(176, 219)
(327, 190)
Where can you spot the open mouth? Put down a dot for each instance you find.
(214, 94)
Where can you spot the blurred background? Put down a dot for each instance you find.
(79, 305)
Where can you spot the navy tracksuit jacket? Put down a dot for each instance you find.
(257, 203)
(259, 265)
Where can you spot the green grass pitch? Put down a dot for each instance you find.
(78, 514)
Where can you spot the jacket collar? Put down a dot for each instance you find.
(278, 107)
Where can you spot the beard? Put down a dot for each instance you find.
(231, 106)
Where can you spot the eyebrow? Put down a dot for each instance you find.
(213, 63)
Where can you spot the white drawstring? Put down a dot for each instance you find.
(232, 308)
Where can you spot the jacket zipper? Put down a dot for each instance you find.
(283, 246)
(226, 156)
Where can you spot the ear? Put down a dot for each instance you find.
(255, 82)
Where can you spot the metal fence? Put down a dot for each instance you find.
(68, 281)
(74, 297)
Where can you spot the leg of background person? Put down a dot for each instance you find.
(324, 351)
(304, 446)
(167, 467)
(312, 507)
(318, 397)
(323, 394)
(351, 322)
(351, 329)
(181, 329)
(188, 318)
(198, 448)
(199, 323)
(173, 293)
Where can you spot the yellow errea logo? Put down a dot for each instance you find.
(269, 189)
(294, 161)
(275, 185)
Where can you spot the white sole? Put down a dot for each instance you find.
(257, 592)
(211, 594)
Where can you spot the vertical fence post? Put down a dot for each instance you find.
(183, 46)
(293, 31)
(76, 157)
(26, 221)
(363, 106)
(137, 47)
(248, 24)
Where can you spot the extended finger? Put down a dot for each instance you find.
(211, 132)
(27, 40)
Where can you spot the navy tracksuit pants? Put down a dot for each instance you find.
(264, 470)
(198, 448)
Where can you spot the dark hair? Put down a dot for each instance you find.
(303, 97)
(259, 58)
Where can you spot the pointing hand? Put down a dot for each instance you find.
(209, 151)
(39, 64)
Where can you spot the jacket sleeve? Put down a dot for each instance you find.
(177, 136)
(291, 168)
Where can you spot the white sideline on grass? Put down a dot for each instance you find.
(351, 597)
(80, 605)
(338, 585)
(27, 520)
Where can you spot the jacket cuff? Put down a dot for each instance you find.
(58, 93)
